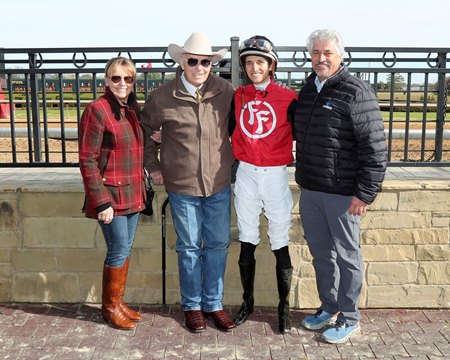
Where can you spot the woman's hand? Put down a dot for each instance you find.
(106, 215)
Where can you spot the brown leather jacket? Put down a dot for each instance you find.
(196, 155)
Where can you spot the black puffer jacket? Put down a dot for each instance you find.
(341, 146)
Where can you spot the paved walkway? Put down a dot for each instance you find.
(66, 332)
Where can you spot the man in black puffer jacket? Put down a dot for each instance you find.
(341, 160)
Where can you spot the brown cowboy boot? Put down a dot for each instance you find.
(132, 315)
(111, 311)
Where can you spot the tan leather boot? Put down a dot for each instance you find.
(132, 315)
(111, 311)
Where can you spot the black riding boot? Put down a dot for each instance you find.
(284, 277)
(247, 279)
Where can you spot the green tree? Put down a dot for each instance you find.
(381, 86)
(399, 82)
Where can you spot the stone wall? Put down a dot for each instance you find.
(50, 253)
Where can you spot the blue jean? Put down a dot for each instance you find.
(203, 229)
(119, 238)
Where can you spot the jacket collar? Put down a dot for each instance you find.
(116, 106)
(209, 89)
(342, 72)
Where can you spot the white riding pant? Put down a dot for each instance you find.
(265, 188)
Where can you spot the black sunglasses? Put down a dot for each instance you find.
(193, 62)
(128, 79)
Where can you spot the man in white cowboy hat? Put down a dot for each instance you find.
(195, 166)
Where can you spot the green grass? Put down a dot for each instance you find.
(72, 114)
(401, 115)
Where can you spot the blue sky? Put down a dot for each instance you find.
(86, 23)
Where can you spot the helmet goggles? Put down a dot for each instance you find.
(260, 44)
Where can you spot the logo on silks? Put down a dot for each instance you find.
(257, 119)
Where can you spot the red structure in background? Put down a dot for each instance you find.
(4, 108)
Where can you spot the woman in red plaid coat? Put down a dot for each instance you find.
(111, 164)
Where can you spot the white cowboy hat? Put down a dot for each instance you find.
(197, 44)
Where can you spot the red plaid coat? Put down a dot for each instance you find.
(111, 156)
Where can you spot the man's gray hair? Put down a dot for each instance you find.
(326, 34)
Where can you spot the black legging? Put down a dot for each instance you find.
(247, 256)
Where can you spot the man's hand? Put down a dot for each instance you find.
(156, 136)
(157, 178)
(281, 84)
(357, 207)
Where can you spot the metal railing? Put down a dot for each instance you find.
(43, 93)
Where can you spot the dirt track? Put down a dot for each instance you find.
(71, 146)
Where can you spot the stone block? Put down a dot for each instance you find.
(233, 282)
(412, 296)
(58, 232)
(80, 260)
(296, 199)
(5, 290)
(434, 273)
(172, 281)
(9, 212)
(405, 236)
(99, 239)
(5, 255)
(172, 297)
(147, 260)
(388, 253)
(26, 260)
(433, 253)
(424, 201)
(362, 303)
(90, 287)
(144, 287)
(267, 297)
(267, 282)
(307, 296)
(305, 253)
(232, 298)
(441, 220)
(234, 234)
(383, 273)
(306, 270)
(385, 201)
(148, 237)
(51, 203)
(10, 239)
(401, 185)
(296, 233)
(5, 270)
(394, 220)
(46, 287)
(144, 296)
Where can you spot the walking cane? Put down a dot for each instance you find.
(163, 231)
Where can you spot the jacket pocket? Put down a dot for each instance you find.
(113, 174)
